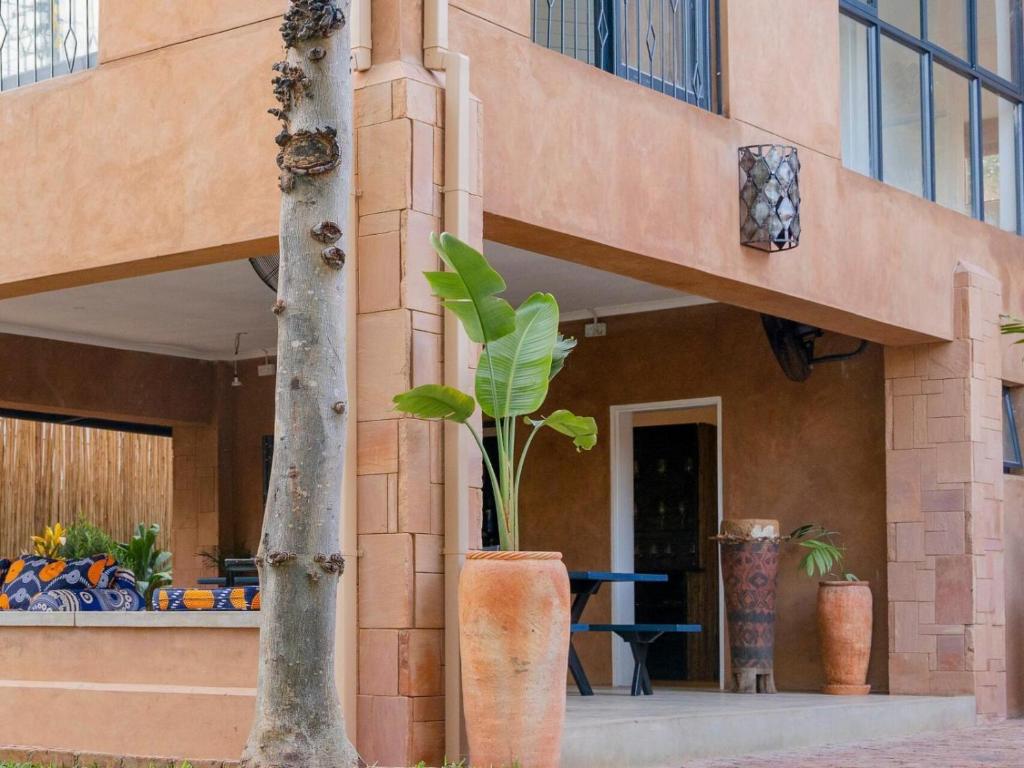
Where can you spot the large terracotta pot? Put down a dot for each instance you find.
(514, 637)
(844, 627)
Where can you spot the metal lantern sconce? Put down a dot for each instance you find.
(769, 197)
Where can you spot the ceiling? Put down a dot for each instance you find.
(188, 313)
(197, 312)
(581, 291)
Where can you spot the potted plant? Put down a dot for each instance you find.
(513, 605)
(844, 612)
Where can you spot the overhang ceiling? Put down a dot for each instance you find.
(197, 312)
(188, 313)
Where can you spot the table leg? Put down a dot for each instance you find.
(578, 675)
(579, 603)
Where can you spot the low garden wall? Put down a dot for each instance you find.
(173, 685)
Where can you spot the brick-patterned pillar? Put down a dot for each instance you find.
(399, 165)
(944, 505)
(195, 519)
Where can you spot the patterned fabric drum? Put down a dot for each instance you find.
(749, 572)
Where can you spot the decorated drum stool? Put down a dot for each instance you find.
(750, 566)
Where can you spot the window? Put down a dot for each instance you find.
(666, 45)
(1011, 437)
(930, 100)
(853, 59)
(41, 39)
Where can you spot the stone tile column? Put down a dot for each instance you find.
(399, 113)
(945, 506)
(195, 523)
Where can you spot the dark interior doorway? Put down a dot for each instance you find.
(675, 492)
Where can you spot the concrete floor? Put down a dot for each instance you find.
(614, 730)
(992, 745)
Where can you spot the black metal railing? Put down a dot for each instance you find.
(41, 39)
(667, 45)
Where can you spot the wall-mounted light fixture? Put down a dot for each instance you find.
(237, 382)
(769, 197)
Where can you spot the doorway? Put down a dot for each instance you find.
(666, 505)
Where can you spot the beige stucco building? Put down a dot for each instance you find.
(593, 156)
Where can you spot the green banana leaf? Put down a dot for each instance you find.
(513, 373)
(469, 290)
(563, 347)
(434, 401)
(582, 429)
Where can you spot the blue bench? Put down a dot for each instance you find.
(639, 637)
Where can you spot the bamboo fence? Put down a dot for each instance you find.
(57, 473)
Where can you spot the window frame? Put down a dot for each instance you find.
(1010, 417)
(865, 12)
(612, 46)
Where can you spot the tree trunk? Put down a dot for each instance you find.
(298, 718)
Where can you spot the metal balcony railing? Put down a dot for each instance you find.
(667, 45)
(41, 39)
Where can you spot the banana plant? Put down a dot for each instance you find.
(522, 352)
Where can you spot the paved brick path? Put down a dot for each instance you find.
(989, 746)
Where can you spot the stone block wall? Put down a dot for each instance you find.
(400, 172)
(944, 506)
(195, 524)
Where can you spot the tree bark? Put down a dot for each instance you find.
(298, 718)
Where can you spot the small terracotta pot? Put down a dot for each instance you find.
(514, 638)
(844, 628)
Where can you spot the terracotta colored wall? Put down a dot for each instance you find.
(1013, 487)
(127, 27)
(161, 159)
(61, 377)
(249, 413)
(169, 689)
(811, 452)
(648, 187)
(172, 158)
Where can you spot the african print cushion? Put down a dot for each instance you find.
(4, 565)
(222, 599)
(31, 574)
(87, 600)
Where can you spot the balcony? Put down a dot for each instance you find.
(42, 39)
(669, 46)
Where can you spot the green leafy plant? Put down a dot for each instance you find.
(1012, 326)
(823, 555)
(522, 352)
(151, 565)
(83, 539)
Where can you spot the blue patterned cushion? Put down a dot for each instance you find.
(4, 565)
(87, 600)
(29, 575)
(223, 599)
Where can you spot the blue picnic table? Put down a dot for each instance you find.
(585, 584)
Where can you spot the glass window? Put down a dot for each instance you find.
(1011, 436)
(854, 112)
(999, 160)
(951, 119)
(901, 117)
(905, 14)
(999, 36)
(947, 25)
(937, 111)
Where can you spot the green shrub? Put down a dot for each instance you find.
(83, 539)
(150, 564)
